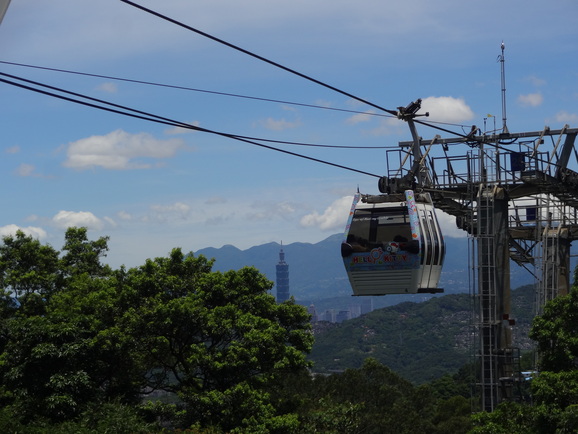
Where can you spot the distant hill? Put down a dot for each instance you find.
(419, 341)
(316, 271)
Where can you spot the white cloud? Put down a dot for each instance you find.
(32, 231)
(279, 124)
(29, 170)
(123, 215)
(218, 220)
(119, 150)
(359, 117)
(179, 207)
(323, 103)
(94, 30)
(334, 217)
(536, 81)
(267, 210)
(66, 219)
(110, 222)
(174, 211)
(26, 170)
(446, 109)
(13, 149)
(288, 108)
(215, 200)
(531, 100)
(448, 225)
(179, 130)
(566, 118)
(389, 126)
(108, 87)
(354, 103)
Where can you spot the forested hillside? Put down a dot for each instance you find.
(419, 341)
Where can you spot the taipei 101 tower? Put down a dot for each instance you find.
(282, 278)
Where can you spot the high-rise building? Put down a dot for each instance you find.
(282, 278)
(343, 315)
(330, 315)
(366, 305)
(355, 310)
(313, 312)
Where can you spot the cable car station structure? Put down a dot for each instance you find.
(515, 196)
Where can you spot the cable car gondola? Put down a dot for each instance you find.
(393, 245)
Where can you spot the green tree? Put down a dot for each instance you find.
(508, 418)
(82, 255)
(97, 339)
(555, 387)
(374, 399)
(65, 355)
(556, 334)
(452, 416)
(28, 270)
(216, 339)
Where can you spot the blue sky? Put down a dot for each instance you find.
(151, 187)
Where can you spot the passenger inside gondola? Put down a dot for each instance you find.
(386, 229)
(406, 245)
(358, 244)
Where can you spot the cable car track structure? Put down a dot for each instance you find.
(517, 199)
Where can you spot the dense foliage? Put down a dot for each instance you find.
(420, 341)
(373, 399)
(554, 388)
(81, 343)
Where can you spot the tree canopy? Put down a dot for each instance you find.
(77, 336)
(556, 334)
(554, 386)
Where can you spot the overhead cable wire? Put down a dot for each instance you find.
(313, 145)
(278, 65)
(417, 121)
(214, 92)
(171, 86)
(139, 114)
(256, 56)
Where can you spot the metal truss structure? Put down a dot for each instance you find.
(516, 197)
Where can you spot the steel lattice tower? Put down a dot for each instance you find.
(518, 201)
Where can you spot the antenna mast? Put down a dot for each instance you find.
(501, 58)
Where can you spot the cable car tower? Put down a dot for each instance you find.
(514, 195)
(517, 199)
